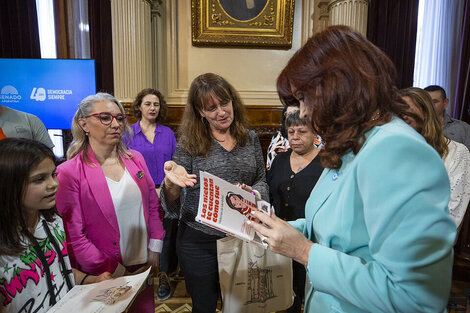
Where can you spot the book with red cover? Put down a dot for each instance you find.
(227, 208)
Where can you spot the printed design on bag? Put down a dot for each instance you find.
(260, 283)
(26, 272)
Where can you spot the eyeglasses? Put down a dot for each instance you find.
(107, 118)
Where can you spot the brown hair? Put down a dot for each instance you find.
(195, 134)
(18, 157)
(347, 85)
(138, 102)
(429, 125)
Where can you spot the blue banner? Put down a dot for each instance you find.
(51, 89)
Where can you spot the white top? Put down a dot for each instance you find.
(457, 163)
(127, 200)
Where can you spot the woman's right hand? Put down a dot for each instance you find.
(104, 276)
(281, 237)
(176, 175)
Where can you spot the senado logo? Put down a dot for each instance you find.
(9, 94)
(38, 94)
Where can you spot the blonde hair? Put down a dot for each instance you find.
(196, 136)
(429, 125)
(80, 140)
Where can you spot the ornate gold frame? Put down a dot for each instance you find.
(213, 26)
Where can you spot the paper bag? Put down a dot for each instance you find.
(253, 279)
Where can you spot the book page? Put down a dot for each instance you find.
(114, 295)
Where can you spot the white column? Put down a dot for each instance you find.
(324, 16)
(158, 45)
(132, 47)
(352, 13)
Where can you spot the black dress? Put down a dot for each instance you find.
(288, 193)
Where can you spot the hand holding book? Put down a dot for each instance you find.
(249, 189)
(228, 208)
(282, 238)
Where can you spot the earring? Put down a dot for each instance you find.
(202, 119)
(376, 116)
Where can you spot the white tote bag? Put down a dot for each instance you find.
(253, 279)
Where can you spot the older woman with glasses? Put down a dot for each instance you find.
(107, 197)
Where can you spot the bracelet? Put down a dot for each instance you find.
(83, 279)
(256, 193)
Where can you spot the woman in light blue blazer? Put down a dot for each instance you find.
(376, 235)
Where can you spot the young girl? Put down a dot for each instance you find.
(35, 270)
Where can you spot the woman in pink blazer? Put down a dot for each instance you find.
(107, 197)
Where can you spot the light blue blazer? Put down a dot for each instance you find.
(382, 229)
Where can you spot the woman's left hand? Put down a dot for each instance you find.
(282, 238)
(244, 187)
(249, 189)
(153, 260)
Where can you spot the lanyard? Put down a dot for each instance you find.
(42, 258)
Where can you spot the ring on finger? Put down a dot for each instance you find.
(264, 240)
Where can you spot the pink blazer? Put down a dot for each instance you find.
(85, 204)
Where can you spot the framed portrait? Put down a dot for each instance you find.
(244, 23)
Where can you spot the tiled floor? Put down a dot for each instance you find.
(181, 302)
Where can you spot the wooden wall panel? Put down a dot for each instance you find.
(264, 120)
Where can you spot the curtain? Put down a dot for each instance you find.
(19, 34)
(392, 27)
(101, 43)
(437, 51)
(62, 34)
(72, 29)
(462, 91)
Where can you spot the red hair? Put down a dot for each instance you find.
(348, 86)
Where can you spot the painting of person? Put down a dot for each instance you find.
(243, 10)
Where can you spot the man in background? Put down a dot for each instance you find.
(454, 129)
(19, 124)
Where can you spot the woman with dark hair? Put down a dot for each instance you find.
(291, 179)
(36, 270)
(157, 144)
(214, 139)
(423, 118)
(238, 203)
(107, 197)
(376, 235)
(279, 142)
